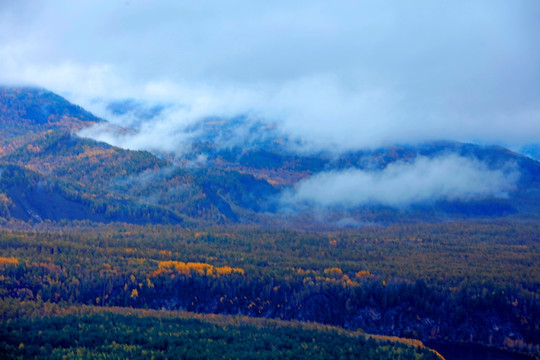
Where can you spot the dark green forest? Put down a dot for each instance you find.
(115, 333)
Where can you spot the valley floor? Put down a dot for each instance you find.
(463, 282)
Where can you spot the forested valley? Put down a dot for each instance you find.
(456, 282)
(109, 253)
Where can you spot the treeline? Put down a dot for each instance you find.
(480, 286)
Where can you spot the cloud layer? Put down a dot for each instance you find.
(449, 177)
(338, 75)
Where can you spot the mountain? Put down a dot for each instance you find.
(236, 171)
(25, 113)
(450, 253)
(47, 172)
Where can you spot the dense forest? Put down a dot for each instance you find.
(456, 282)
(119, 333)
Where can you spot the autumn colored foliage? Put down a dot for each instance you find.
(462, 281)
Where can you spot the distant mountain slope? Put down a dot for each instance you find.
(48, 172)
(105, 183)
(31, 107)
(264, 152)
(83, 161)
(25, 113)
(280, 163)
(28, 195)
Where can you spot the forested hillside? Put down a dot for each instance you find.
(256, 183)
(142, 243)
(91, 332)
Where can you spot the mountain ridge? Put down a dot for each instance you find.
(231, 184)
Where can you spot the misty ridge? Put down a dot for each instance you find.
(245, 166)
(444, 176)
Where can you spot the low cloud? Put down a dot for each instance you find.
(175, 126)
(167, 133)
(449, 177)
(336, 76)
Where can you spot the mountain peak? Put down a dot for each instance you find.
(37, 106)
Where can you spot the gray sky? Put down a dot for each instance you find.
(337, 74)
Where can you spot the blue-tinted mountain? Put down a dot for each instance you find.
(34, 109)
(48, 172)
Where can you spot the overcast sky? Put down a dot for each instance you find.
(344, 74)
